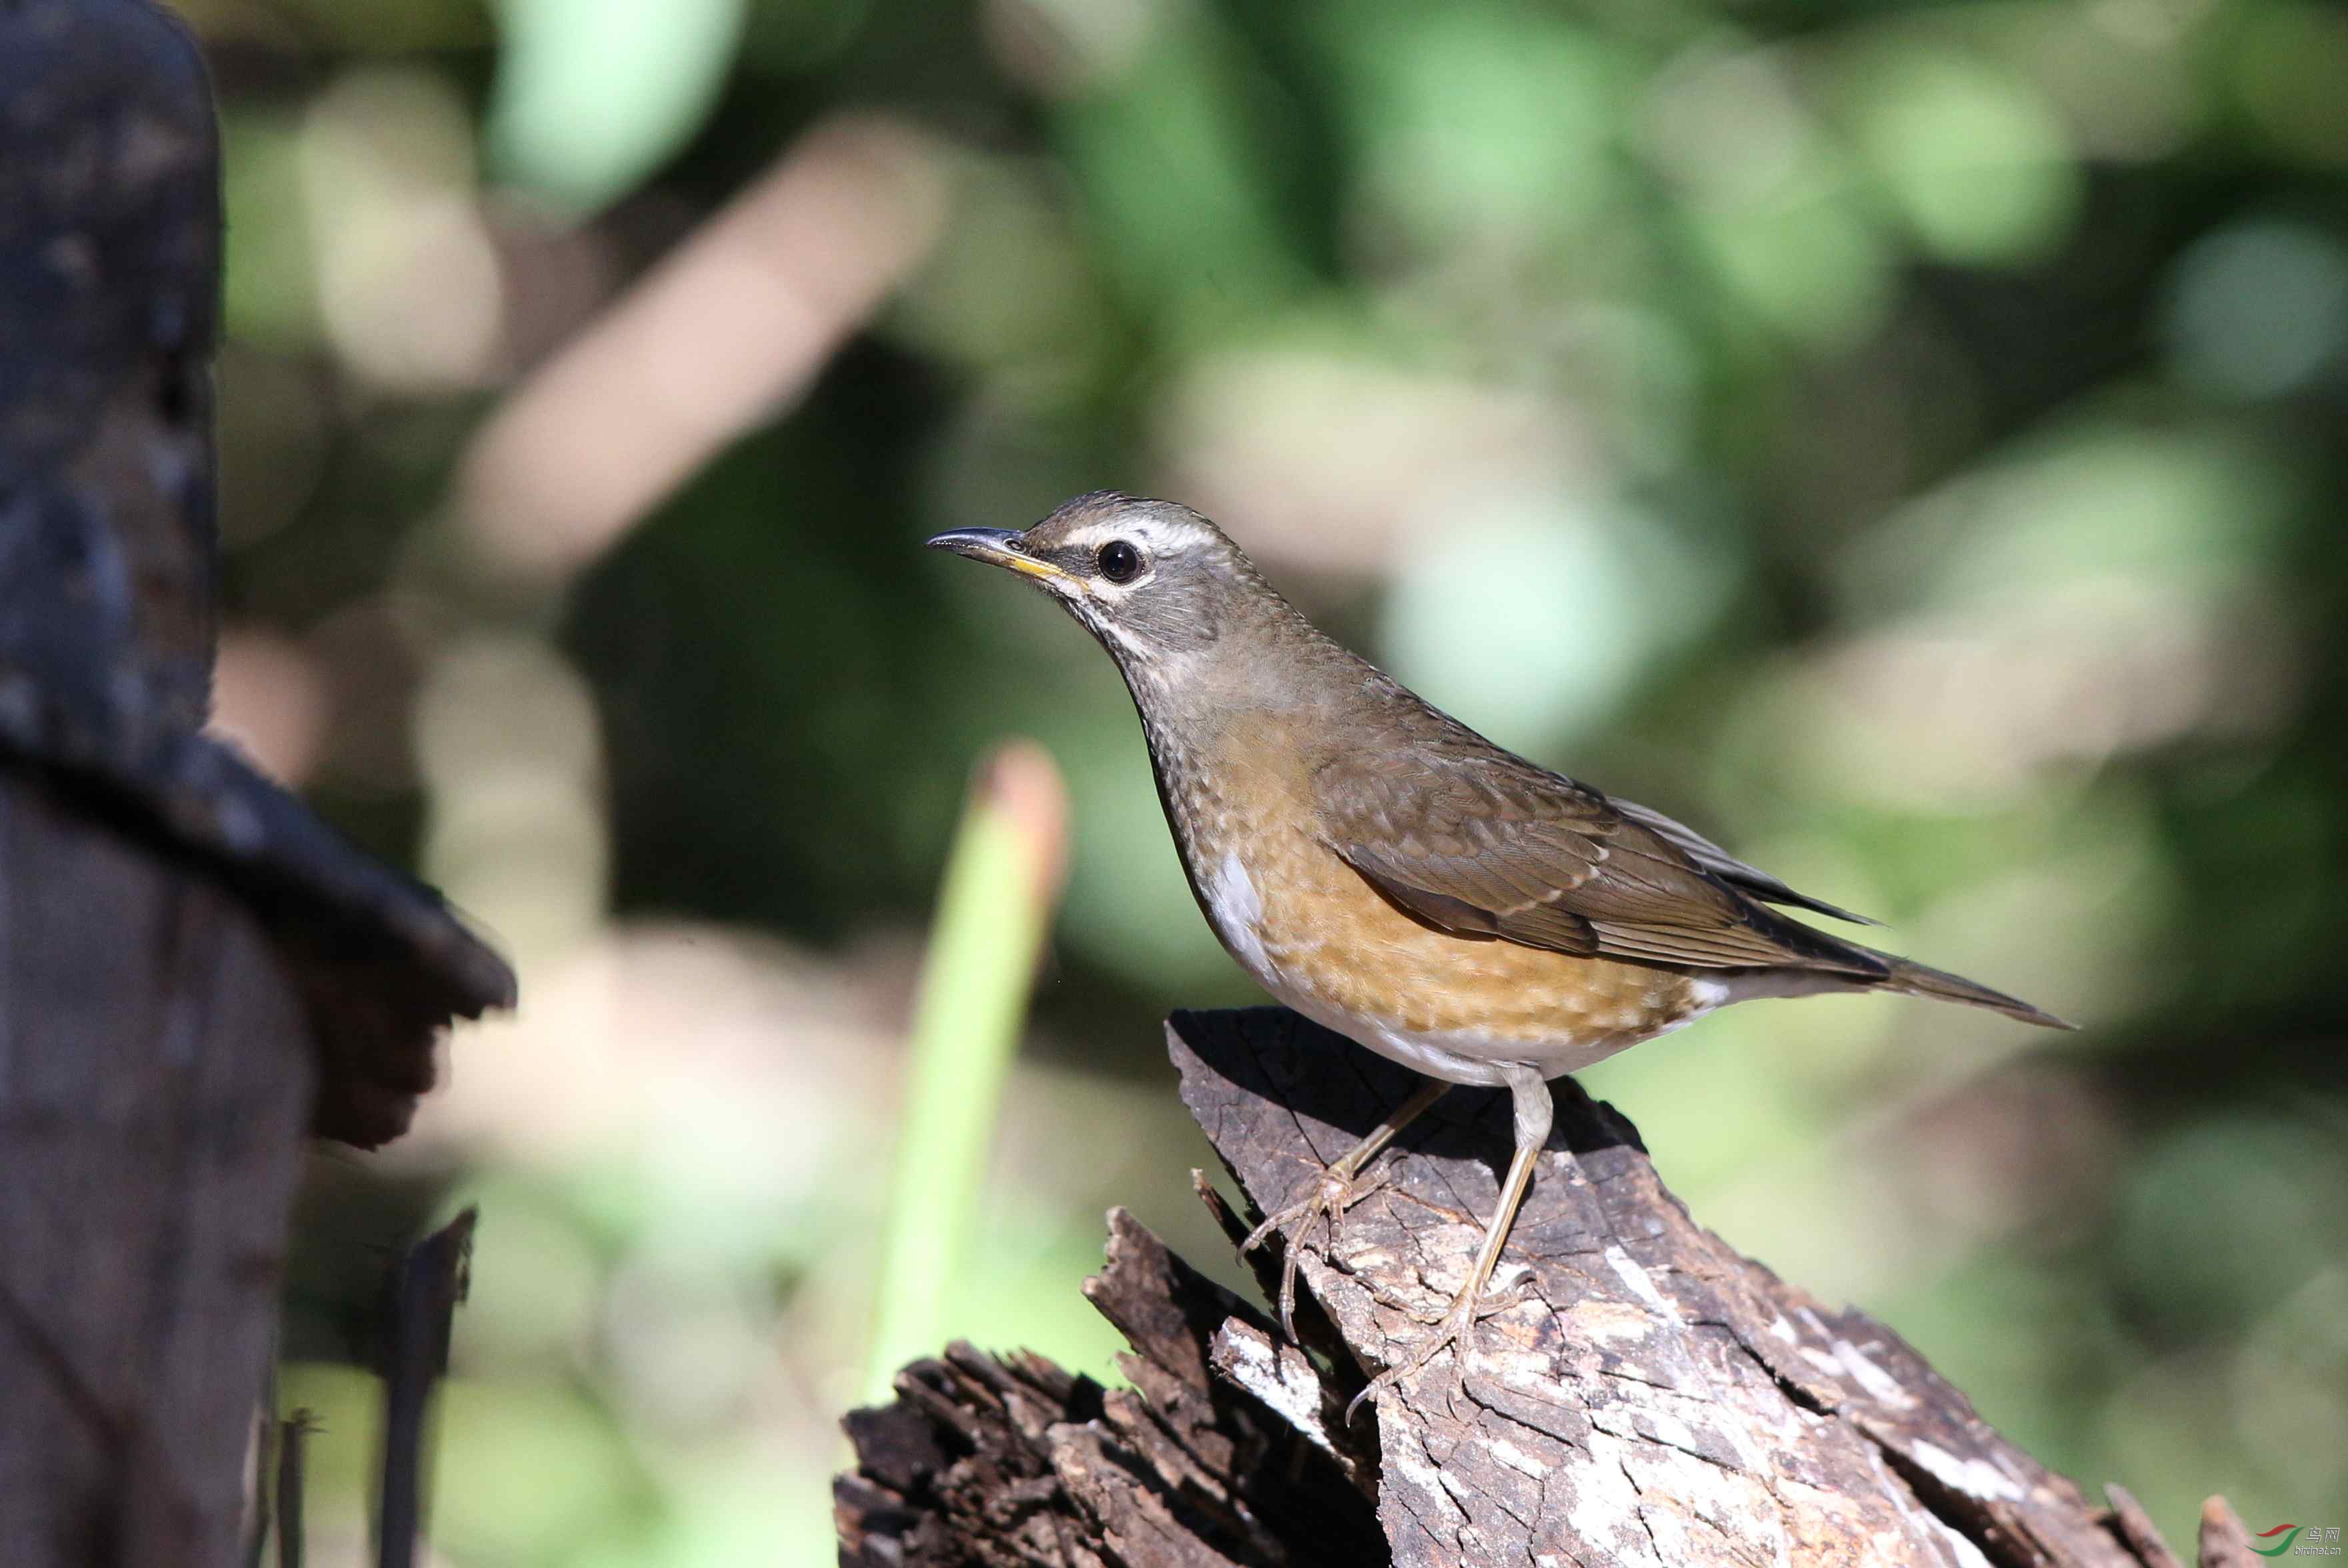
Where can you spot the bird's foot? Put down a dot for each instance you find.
(1334, 1190)
(1453, 1330)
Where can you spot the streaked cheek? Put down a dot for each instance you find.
(1180, 621)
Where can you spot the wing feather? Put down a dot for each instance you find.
(1485, 844)
(1712, 858)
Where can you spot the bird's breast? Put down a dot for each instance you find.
(1319, 937)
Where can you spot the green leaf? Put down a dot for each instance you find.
(592, 95)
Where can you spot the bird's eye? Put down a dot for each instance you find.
(1119, 562)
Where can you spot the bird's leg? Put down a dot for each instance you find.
(1458, 1326)
(1333, 1191)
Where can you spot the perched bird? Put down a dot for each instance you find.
(1388, 872)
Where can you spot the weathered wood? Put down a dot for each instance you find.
(109, 231)
(193, 971)
(1653, 1396)
(1649, 1397)
(2136, 1528)
(154, 1080)
(2225, 1540)
(1012, 1460)
(110, 267)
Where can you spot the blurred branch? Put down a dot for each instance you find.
(1001, 886)
(292, 1444)
(418, 1312)
(721, 335)
(1651, 1397)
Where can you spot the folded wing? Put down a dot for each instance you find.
(1488, 845)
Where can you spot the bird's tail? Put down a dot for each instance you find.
(1920, 980)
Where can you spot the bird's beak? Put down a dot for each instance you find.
(996, 547)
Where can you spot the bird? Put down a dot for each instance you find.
(1388, 872)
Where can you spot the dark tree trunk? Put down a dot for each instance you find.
(155, 1084)
(193, 972)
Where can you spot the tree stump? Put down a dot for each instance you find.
(1650, 1397)
(194, 972)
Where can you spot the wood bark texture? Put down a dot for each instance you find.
(1649, 1397)
(155, 1080)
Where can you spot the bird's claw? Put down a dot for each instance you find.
(1453, 1330)
(1333, 1192)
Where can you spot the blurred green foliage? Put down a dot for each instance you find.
(994, 910)
(1902, 439)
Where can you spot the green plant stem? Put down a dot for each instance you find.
(993, 914)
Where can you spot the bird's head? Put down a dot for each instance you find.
(1155, 582)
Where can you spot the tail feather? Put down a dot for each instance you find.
(1920, 980)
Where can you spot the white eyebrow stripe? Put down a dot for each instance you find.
(1144, 532)
(1098, 533)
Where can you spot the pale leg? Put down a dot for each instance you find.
(1534, 1112)
(1333, 1192)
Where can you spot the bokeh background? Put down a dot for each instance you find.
(1904, 441)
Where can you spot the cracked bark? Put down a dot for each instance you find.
(1650, 1399)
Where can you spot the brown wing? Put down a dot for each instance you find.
(1488, 845)
(1710, 857)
